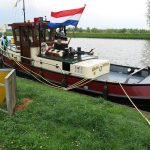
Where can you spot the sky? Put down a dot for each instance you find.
(102, 14)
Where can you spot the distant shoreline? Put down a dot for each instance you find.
(140, 36)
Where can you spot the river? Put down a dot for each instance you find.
(119, 51)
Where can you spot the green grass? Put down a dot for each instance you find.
(107, 35)
(111, 35)
(61, 120)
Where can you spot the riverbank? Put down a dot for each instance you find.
(142, 36)
(57, 119)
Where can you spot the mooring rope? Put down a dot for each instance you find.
(75, 85)
(134, 105)
(32, 73)
(81, 84)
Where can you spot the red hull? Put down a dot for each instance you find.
(135, 91)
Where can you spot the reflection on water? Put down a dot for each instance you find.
(118, 51)
(146, 54)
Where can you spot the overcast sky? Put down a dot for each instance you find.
(98, 13)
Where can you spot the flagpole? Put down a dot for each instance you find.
(24, 13)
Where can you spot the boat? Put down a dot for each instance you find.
(44, 53)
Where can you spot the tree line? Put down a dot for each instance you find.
(96, 30)
(100, 31)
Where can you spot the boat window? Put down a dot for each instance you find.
(17, 35)
(31, 36)
(36, 36)
(24, 35)
(52, 35)
(42, 34)
(48, 34)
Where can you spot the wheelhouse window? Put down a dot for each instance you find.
(17, 35)
(31, 36)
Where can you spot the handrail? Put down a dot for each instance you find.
(133, 73)
(32, 59)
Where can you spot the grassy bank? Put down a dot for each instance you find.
(61, 120)
(145, 36)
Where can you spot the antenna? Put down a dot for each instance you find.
(24, 13)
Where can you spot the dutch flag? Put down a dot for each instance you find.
(65, 17)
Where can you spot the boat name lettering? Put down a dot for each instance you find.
(105, 64)
(96, 68)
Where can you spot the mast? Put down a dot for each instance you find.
(24, 13)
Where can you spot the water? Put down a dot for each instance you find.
(119, 51)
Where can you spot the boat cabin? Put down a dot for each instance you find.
(52, 43)
(32, 34)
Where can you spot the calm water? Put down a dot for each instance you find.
(123, 52)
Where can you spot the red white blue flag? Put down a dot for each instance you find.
(65, 17)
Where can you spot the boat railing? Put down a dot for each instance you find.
(7, 54)
(133, 73)
(13, 47)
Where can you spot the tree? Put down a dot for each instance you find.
(88, 29)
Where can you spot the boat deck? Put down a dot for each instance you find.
(126, 75)
(119, 77)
